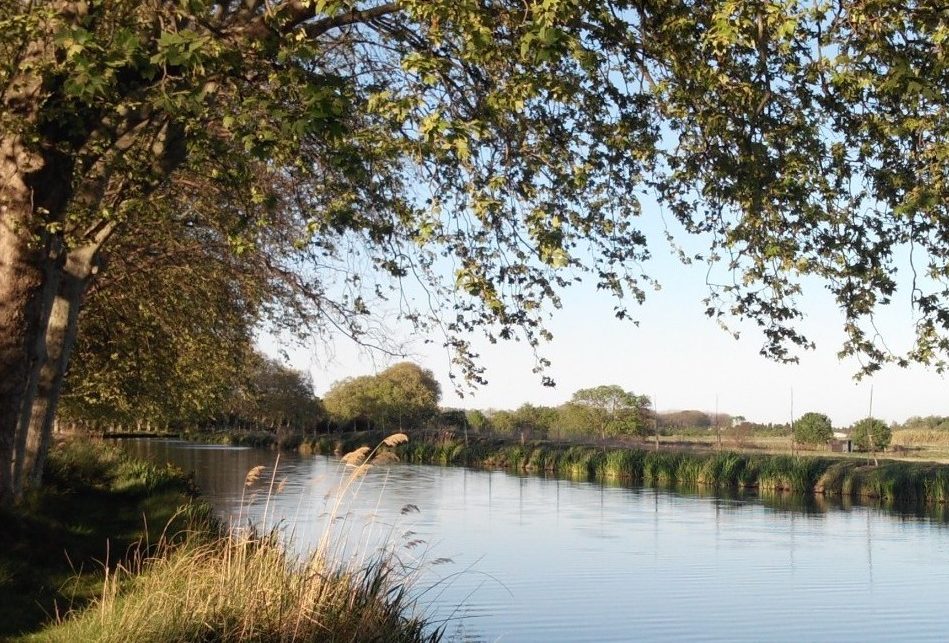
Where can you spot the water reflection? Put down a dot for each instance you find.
(548, 559)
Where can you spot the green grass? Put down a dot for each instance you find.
(94, 505)
(624, 465)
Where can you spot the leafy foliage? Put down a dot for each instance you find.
(813, 428)
(402, 396)
(798, 140)
(612, 410)
(871, 433)
(166, 332)
(274, 395)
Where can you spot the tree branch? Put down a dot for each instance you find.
(354, 16)
(294, 13)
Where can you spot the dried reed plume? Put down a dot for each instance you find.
(253, 475)
(396, 439)
(357, 457)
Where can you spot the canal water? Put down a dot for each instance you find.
(501, 557)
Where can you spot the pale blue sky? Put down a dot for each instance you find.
(676, 355)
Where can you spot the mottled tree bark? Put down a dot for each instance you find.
(60, 339)
(28, 282)
(33, 190)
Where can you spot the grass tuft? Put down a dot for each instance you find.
(244, 587)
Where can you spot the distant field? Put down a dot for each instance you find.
(921, 437)
(908, 444)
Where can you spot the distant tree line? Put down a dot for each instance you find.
(598, 412)
(245, 390)
(927, 423)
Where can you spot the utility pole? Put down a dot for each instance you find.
(655, 419)
(792, 421)
(718, 426)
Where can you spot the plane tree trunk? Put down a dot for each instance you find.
(30, 259)
(61, 332)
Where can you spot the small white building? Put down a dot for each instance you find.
(841, 442)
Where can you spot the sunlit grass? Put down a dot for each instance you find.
(244, 587)
(921, 438)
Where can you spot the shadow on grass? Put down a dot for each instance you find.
(54, 545)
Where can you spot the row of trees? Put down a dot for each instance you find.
(257, 393)
(927, 423)
(691, 419)
(405, 396)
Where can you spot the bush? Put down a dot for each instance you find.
(813, 428)
(871, 429)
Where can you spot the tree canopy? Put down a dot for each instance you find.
(492, 152)
(611, 410)
(270, 394)
(813, 428)
(404, 396)
(871, 434)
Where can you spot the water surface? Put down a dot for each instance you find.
(534, 559)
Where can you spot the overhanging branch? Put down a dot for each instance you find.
(291, 15)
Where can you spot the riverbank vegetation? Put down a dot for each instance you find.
(405, 397)
(115, 549)
(95, 505)
(846, 477)
(246, 587)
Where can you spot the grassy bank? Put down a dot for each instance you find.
(257, 439)
(892, 481)
(69, 569)
(55, 545)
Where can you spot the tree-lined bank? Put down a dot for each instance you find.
(293, 163)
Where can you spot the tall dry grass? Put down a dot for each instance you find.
(920, 437)
(240, 585)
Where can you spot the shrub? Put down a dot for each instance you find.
(77, 463)
(871, 429)
(813, 428)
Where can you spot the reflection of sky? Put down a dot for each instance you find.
(676, 354)
(538, 559)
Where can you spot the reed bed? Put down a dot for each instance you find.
(904, 482)
(921, 438)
